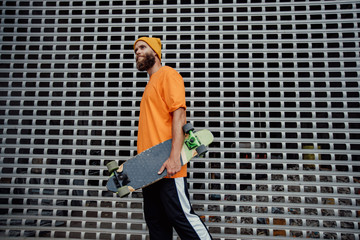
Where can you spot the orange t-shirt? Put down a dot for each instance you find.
(164, 93)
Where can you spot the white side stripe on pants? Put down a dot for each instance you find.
(193, 219)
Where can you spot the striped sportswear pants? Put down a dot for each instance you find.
(167, 206)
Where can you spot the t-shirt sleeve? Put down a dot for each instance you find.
(174, 91)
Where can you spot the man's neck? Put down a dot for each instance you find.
(154, 68)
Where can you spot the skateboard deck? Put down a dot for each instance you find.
(142, 169)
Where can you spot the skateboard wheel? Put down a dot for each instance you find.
(123, 191)
(112, 166)
(201, 150)
(188, 127)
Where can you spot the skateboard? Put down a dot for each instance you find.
(142, 170)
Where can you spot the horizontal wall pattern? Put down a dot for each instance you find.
(276, 81)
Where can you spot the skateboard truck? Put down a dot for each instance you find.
(192, 141)
(123, 178)
(119, 181)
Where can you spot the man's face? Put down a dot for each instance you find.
(145, 56)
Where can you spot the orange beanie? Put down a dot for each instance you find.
(154, 43)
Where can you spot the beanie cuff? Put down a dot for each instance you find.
(154, 43)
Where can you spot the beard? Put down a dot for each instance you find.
(145, 63)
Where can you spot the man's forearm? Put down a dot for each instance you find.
(173, 164)
(179, 119)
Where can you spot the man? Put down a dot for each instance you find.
(162, 115)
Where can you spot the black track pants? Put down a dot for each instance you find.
(167, 205)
